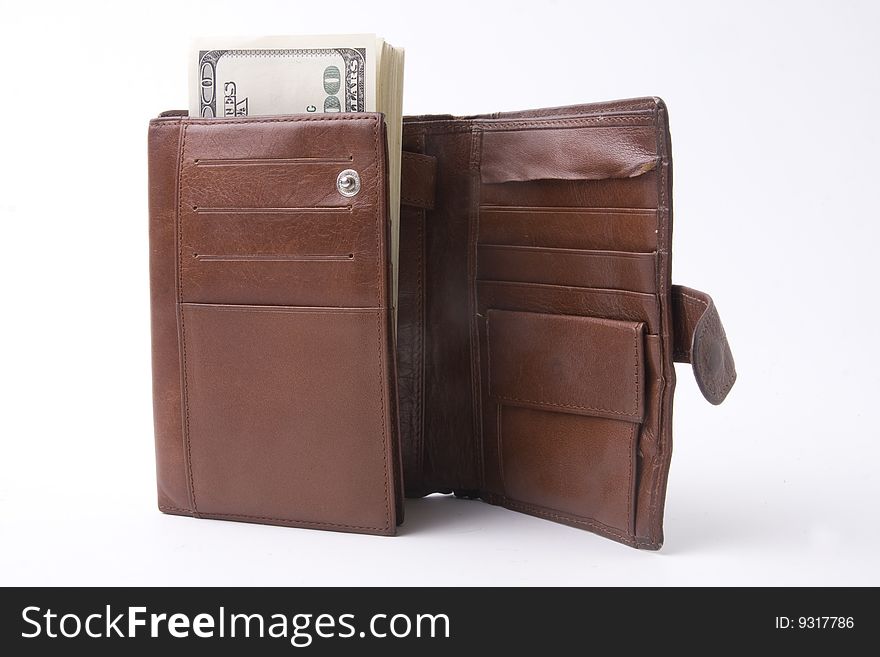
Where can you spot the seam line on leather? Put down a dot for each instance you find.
(384, 385)
(182, 321)
(598, 527)
(661, 458)
(475, 160)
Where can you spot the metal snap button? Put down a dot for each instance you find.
(348, 182)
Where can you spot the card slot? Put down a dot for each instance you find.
(538, 209)
(269, 161)
(271, 234)
(573, 267)
(280, 281)
(292, 187)
(330, 209)
(570, 300)
(310, 258)
(639, 192)
(265, 257)
(610, 229)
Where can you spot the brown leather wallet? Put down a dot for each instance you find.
(537, 323)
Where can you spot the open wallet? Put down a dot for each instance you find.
(531, 364)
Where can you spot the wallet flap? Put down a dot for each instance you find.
(568, 153)
(700, 340)
(272, 342)
(582, 365)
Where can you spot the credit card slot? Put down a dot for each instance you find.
(570, 300)
(268, 161)
(611, 229)
(638, 192)
(575, 267)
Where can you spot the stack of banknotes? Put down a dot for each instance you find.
(305, 74)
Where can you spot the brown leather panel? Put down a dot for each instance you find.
(411, 340)
(567, 153)
(280, 408)
(418, 180)
(569, 364)
(284, 407)
(164, 148)
(450, 452)
(576, 465)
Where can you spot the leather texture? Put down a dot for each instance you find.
(701, 341)
(272, 345)
(537, 321)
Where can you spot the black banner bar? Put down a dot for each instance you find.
(431, 621)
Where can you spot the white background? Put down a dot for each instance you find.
(773, 114)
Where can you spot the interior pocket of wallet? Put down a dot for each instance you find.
(284, 411)
(570, 300)
(575, 267)
(570, 398)
(614, 229)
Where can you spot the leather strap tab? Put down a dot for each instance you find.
(700, 340)
(418, 174)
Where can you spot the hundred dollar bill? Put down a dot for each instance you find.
(311, 74)
(285, 75)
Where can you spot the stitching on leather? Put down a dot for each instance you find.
(456, 126)
(419, 344)
(585, 408)
(412, 200)
(380, 229)
(382, 389)
(599, 110)
(186, 428)
(421, 162)
(289, 521)
(697, 300)
(487, 125)
(636, 335)
(710, 382)
(701, 329)
(165, 507)
(631, 510)
(655, 519)
(475, 159)
(597, 526)
(292, 119)
(500, 444)
(611, 122)
(690, 302)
